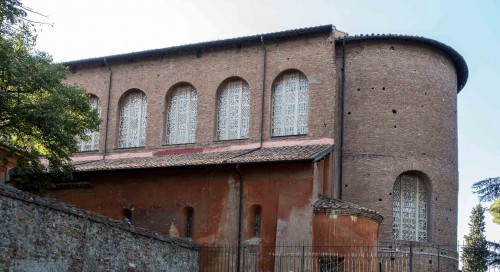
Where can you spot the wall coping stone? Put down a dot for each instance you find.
(9, 191)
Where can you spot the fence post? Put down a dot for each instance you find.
(439, 258)
(302, 261)
(411, 257)
(244, 258)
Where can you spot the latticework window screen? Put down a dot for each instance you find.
(410, 209)
(181, 116)
(233, 111)
(290, 105)
(93, 143)
(133, 120)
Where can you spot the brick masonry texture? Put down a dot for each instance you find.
(41, 234)
(400, 115)
(206, 71)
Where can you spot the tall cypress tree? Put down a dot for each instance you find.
(475, 253)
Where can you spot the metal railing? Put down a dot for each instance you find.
(386, 257)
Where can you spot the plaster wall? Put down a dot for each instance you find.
(157, 199)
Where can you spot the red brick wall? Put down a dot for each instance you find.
(420, 85)
(314, 56)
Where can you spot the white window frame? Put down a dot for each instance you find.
(93, 143)
(181, 117)
(290, 105)
(133, 120)
(410, 208)
(233, 111)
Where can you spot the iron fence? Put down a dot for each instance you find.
(385, 257)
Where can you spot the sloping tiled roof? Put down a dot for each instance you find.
(456, 58)
(199, 46)
(336, 206)
(272, 154)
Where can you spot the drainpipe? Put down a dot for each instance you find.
(264, 56)
(341, 154)
(261, 141)
(240, 216)
(107, 111)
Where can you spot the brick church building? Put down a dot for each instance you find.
(307, 135)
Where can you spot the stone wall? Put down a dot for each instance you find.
(41, 234)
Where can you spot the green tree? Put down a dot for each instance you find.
(475, 253)
(494, 258)
(495, 211)
(489, 190)
(41, 118)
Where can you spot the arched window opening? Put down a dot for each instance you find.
(181, 116)
(255, 220)
(410, 208)
(93, 142)
(290, 105)
(233, 110)
(189, 212)
(133, 120)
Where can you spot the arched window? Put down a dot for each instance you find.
(233, 110)
(255, 226)
(133, 119)
(290, 105)
(410, 208)
(181, 116)
(93, 142)
(189, 213)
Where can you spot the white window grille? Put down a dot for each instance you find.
(290, 105)
(93, 142)
(410, 209)
(133, 120)
(181, 116)
(233, 111)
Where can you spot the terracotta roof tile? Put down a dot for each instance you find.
(336, 206)
(272, 154)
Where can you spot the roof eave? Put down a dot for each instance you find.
(458, 61)
(323, 29)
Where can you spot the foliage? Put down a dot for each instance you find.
(475, 253)
(488, 189)
(494, 258)
(40, 117)
(495, 211)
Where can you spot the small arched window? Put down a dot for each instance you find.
(410, 208)
(233, 110)
(93, 142)
(181, 116)
(255, 221)
(290, 105)
(189, 213)
(133, 119)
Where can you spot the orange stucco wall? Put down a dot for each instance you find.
(5, 166)
(345, 230)
(347, 237)
(157, 199)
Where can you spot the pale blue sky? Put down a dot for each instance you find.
(94, 28)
